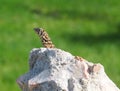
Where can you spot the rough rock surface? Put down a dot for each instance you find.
(56, 70)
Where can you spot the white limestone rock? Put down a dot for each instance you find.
(56, 70)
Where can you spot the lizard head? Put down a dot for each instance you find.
(38, 30)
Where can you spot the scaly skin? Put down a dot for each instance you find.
(45, 39)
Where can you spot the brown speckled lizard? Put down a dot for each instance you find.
(45, 39)
(47, 43)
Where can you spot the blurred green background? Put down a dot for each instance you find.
(88, 28)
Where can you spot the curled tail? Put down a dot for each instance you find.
(45, 39)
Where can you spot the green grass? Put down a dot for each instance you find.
(90, 29)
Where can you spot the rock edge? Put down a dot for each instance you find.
(53, 69)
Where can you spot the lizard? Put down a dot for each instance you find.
(45, 39)
(47, 43)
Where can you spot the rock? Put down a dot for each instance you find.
(52, 69)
